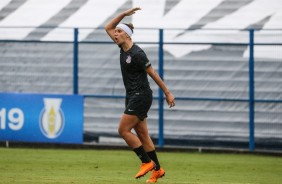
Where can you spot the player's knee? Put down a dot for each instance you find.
(122, 132)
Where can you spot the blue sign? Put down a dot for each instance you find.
(41, 118)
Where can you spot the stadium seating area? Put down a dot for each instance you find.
(33, 61)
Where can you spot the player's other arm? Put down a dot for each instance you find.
(110, 27)
(161, 84)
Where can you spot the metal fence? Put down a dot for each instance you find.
(161, 42)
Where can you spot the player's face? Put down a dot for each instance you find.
(120, 36)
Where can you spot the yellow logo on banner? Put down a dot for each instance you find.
(52, 118)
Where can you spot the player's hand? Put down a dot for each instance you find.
(131, 11)
(170, 100)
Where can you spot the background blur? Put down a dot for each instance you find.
(222, 59)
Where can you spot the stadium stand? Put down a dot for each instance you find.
(206, 70)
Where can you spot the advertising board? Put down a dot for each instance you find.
(41, 118)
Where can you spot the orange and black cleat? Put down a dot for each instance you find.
(156, 175)
(145, 168)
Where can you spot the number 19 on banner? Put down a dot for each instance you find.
(11, 118)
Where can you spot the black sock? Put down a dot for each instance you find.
(153, 156)
(141, 153)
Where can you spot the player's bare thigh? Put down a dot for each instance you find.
(127, 123)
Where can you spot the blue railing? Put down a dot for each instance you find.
(251, 93)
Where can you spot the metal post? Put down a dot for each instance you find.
(251, 93)
(75, 62)
(161, 106)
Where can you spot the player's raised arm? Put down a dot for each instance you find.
(110, 27)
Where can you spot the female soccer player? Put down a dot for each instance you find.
(134, 68)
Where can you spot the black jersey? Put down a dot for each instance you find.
(133, 64)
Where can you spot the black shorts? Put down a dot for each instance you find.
(139, 105)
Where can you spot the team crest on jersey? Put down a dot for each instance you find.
(128, 59)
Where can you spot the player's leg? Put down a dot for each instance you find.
(143, 134)
(142, 131)
(126, 124)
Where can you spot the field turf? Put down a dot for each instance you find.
(30, 166)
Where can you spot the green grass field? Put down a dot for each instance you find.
(21, 165)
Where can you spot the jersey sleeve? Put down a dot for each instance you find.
(143, 60)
